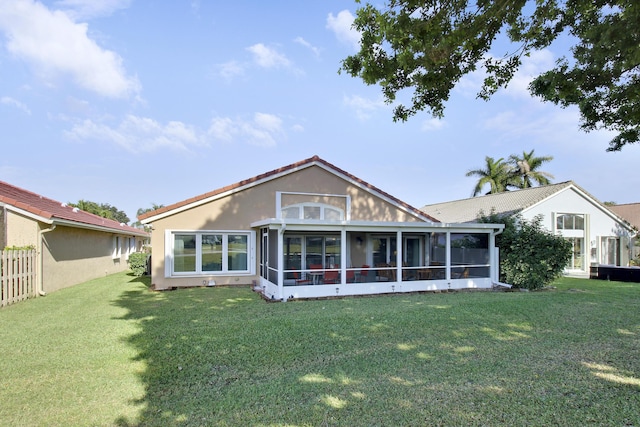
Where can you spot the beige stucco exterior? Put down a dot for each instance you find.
(239, 208)
(69, 255)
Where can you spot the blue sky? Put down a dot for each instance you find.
(135, 102)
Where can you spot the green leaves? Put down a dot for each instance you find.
(530, 256)
(428, 46)
(518, 172)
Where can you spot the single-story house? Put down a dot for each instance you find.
(596, 233)
(631, 213)
(311, 229)
(72, 245)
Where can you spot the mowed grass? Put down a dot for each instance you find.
(112, 352)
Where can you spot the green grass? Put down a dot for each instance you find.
(111, 352)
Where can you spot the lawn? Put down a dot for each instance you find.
(112, 352)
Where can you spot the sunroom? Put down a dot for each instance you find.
(313, 249)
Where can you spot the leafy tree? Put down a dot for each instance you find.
(530, 256)
(104, 210)
(526, 169)
(497, 173)
(143, 211)
(427, 46)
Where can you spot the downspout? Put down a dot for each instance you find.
(41, 291)
(496, 273)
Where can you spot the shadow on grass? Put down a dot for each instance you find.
(222, 356)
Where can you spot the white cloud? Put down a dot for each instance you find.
(262, 130)
(363, 107)
(6, 100)
(303, 42)
(341, 25)
(267, 57)
(87, 9)
(230, 70)
(432, 124)
(55, 45)
(531, 67)
(140, 134)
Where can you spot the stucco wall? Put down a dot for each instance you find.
(72, 255)
(239, 210)
(21, 231)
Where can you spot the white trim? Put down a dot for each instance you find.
(169, 254)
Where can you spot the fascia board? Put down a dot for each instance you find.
(27, 214)
(82, 225)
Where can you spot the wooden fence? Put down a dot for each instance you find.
(17, 276)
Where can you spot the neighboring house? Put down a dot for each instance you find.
(310, 230)
(597, 234)
(72, 246)
(631, 213)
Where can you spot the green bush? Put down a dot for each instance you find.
(138, 263)
(530, 256)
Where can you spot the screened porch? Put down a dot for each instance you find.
(308, 259)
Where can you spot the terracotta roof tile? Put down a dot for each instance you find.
(284, 169)
(50, 209)
(630, 212)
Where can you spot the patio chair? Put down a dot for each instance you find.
(301, 280)
(351, 276)
(331, 276)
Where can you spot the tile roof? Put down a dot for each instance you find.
(51, 211)
(507, 203)
(284, 170)
(630, 212)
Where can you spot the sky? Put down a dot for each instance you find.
(135, 103)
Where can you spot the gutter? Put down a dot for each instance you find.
(41, 291)
(496, 283)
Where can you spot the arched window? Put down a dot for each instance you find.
(316, 211)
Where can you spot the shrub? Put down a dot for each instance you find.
(530, 256)
(138, 263)
(20, 248)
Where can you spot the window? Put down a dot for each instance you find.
(303, 252)
(570, 222)
(210, 252)
(577, 253)
(610, 250)
(316, 211)
(117, 248)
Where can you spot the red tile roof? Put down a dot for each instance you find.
(630, 212)
(50, 210)
(285, 169)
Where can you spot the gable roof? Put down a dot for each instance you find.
(630, 212)
(277, 173)
(506, 203)
(51, 211)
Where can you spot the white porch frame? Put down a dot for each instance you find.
(278, 291)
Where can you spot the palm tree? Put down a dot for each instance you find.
(497, 173)
(526, 169)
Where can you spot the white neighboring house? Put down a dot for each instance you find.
(597, 234)
(631, 213)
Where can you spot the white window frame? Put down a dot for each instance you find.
(169, 253)
(323, 207)
(117, 248)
